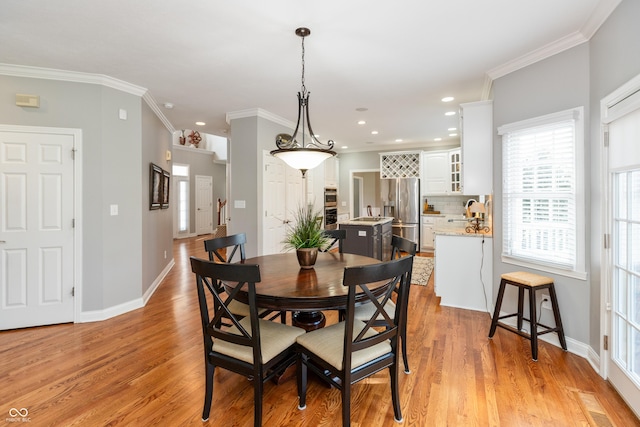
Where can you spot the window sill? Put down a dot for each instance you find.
(579, 275)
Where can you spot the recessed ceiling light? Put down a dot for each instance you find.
(452, 129)
(200, 123)
(316, 135)
(362, 109)
(344, 147)
(450, 113)
(437, 139)
(398, 140)
(447, 99)
(374, 132)
(362, 122)
(453, 134)
(168, 105)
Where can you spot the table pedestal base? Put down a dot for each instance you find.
(308, 320)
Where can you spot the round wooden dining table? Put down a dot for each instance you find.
(305, 292)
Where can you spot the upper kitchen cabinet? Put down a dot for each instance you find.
(331, 172)
(435, 172)
(476, 119)
(455, 170)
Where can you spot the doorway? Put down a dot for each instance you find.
(621, 266)
(204, 204)
(40, 249)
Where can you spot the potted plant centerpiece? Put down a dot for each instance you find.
(306, 236)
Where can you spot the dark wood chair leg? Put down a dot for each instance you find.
(533, 324)
(556, 315)
(395, 397)
(496, 310)
(208, 393)
(405, 358)
(302, 382)
(520, 306)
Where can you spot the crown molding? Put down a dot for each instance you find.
(258, 112)
(158, 112)
(79, 77)
(71, 76)
(603, 9)
(537, 55)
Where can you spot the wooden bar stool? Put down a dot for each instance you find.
(533, 283)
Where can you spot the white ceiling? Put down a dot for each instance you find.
(397, 59)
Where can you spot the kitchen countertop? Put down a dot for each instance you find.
(457, 227)
(367, 220)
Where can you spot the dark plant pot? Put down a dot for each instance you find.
(307, 257)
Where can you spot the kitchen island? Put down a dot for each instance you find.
(464, 268)
(368, 236)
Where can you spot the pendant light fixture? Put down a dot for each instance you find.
(309, 152)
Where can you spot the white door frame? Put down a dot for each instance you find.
(351, 173)
(77, 202)
(622, 101)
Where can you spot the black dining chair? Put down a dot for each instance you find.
(349, 351)
(401, 247)
(335, 236)
(224, 249)
(256, 348)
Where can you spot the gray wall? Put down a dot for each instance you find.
(555, 84)
(201, 163)
(157, 225)
(249, 137)
(113, 258)
(580, 76)
(614, 60)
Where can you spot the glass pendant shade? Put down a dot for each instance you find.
(303, 158)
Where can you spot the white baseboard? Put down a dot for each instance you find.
(116, 310)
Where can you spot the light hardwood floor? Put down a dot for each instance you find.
(145, 368)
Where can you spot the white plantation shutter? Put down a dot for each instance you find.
(539, 190)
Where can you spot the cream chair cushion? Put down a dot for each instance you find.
(328, 344)
(365, 311)
(274, 339)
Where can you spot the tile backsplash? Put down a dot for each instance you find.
(448, 205)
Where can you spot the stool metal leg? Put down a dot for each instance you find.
(496, 310)
(533, 324)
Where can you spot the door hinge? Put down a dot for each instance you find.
(605, 342)
(607, 238)
(73, 153)
(605, 137)
(73, 291)
(73, 223)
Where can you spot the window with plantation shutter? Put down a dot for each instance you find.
(541, 191)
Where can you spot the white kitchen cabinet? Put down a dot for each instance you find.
(435, 172)
(455, 171)
(428, 233)
(476, 120)
(331, 172)
(464, 271)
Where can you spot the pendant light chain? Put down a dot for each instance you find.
(303, 88)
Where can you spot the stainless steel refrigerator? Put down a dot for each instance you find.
(401, 200)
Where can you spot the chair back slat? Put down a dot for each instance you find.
(365, 280)
(208, 277)
(231, 244)
(400, 244)
(335, 236)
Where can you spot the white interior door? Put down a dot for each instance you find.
(623, 356)
(204, 204)
(36, 228)
(274, 201)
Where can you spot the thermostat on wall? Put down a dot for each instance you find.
(23, 100)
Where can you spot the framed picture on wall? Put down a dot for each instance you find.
(166, 179)
(155, 187)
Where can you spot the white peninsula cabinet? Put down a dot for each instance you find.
(464, 271)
